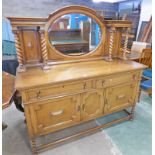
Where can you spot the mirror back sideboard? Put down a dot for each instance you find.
(60, 91)
(34, 49)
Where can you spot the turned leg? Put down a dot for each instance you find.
(132, 112)
(33, 146)
(139, 95)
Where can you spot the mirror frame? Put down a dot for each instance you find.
(54, 54)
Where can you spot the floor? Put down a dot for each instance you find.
(127, 138)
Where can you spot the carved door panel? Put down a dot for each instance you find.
(54, 114)
(92, 104)
(120, 96)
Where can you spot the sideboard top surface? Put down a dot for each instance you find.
(35, 77)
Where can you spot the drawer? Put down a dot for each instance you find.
(58, 90)
(117, 79)
(120, 96)
(55, 114)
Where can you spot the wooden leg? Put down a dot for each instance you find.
(132, 112)
(139, 95)
(33, 146)
(41, 147)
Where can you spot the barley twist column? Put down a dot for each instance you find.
(111, 43)
(33, 146)
(21, 67)
(125, 46)
(44, 50)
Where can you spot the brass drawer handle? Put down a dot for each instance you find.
(120, 96)
(73, 117)
(57, 113)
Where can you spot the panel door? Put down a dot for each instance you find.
(92, 104)
(31, 46)
(55, 114)
(118, 97)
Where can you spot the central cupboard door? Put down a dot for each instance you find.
(92, 104)
(54, 114)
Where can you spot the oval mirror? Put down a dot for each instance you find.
(74, 34)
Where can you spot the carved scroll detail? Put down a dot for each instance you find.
(21, 67)
(44, 50)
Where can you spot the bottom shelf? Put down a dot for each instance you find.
(69, 134)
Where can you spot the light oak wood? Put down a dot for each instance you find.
(71, 90)
(73, 71)
(55, 114)
(30, 40)
(119, 96)
(92, 104)
(84, 133)
(60, 89)
(46, 53)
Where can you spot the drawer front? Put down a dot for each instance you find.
(58, 90)
(117, 79)
(120, 96)
(55, 114)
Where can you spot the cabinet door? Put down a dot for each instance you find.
(55, 114)
(92, 104)
(119, 97)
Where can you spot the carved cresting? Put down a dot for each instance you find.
(126, 43)
(21, 67)
(44, 50)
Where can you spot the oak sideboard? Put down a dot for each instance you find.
(63, 88)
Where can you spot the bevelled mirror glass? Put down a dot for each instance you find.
(74, 34)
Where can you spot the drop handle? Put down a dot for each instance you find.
(56, 113)
(73, 117)
(120, 96)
